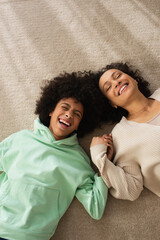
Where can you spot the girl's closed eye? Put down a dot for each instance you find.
(77, 114)
(64, 108)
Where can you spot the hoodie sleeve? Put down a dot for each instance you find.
(1, 155)
(93, 195)
(4, 147)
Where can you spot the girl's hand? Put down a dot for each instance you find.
(107, 140)
(110, 147)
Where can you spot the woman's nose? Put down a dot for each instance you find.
(117, 82)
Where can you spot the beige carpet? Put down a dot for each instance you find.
(41, 38)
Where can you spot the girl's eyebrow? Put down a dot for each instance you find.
(68, 105)
(79, 112)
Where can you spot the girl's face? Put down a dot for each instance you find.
(118, 87)
(65, 118)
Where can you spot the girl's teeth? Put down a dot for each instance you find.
(67, 124)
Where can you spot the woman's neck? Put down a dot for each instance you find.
(141, 105)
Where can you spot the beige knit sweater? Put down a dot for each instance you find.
(137, 159)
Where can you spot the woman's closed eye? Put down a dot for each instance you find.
(117, 75)
(107, 88)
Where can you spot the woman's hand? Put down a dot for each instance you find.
(107, 140)
(98, 140)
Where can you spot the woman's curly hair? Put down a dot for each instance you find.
(76, 85)
(112, 114)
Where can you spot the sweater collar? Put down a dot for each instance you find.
(155, 95)
(43, 132)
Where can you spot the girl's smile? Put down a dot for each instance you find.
(65, 118)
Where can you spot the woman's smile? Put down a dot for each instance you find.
(122, 89)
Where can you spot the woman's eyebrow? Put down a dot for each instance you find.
(112, 75)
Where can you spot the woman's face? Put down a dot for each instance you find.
(118, 87)
(65, 118)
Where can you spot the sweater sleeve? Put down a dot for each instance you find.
(93, 195)
(124, 181)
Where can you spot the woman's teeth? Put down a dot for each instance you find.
(122, 88)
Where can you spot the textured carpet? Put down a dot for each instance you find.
(41, 38)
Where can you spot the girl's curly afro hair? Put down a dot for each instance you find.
(112, 114)
(78, 85)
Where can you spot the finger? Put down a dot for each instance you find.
(108, 140)
(110, 146)
(108, 137)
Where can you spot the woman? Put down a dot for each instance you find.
(136, 137)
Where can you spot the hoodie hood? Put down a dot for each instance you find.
(44, 133)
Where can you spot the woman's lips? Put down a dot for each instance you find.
(123, 88)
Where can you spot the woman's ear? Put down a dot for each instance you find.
(113, 105)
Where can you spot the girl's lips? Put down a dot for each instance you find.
(64, 122)
(63, 126)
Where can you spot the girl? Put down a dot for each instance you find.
(43, 170)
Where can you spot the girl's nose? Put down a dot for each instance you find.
(69, 115)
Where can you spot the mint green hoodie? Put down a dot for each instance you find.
(40, 178)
